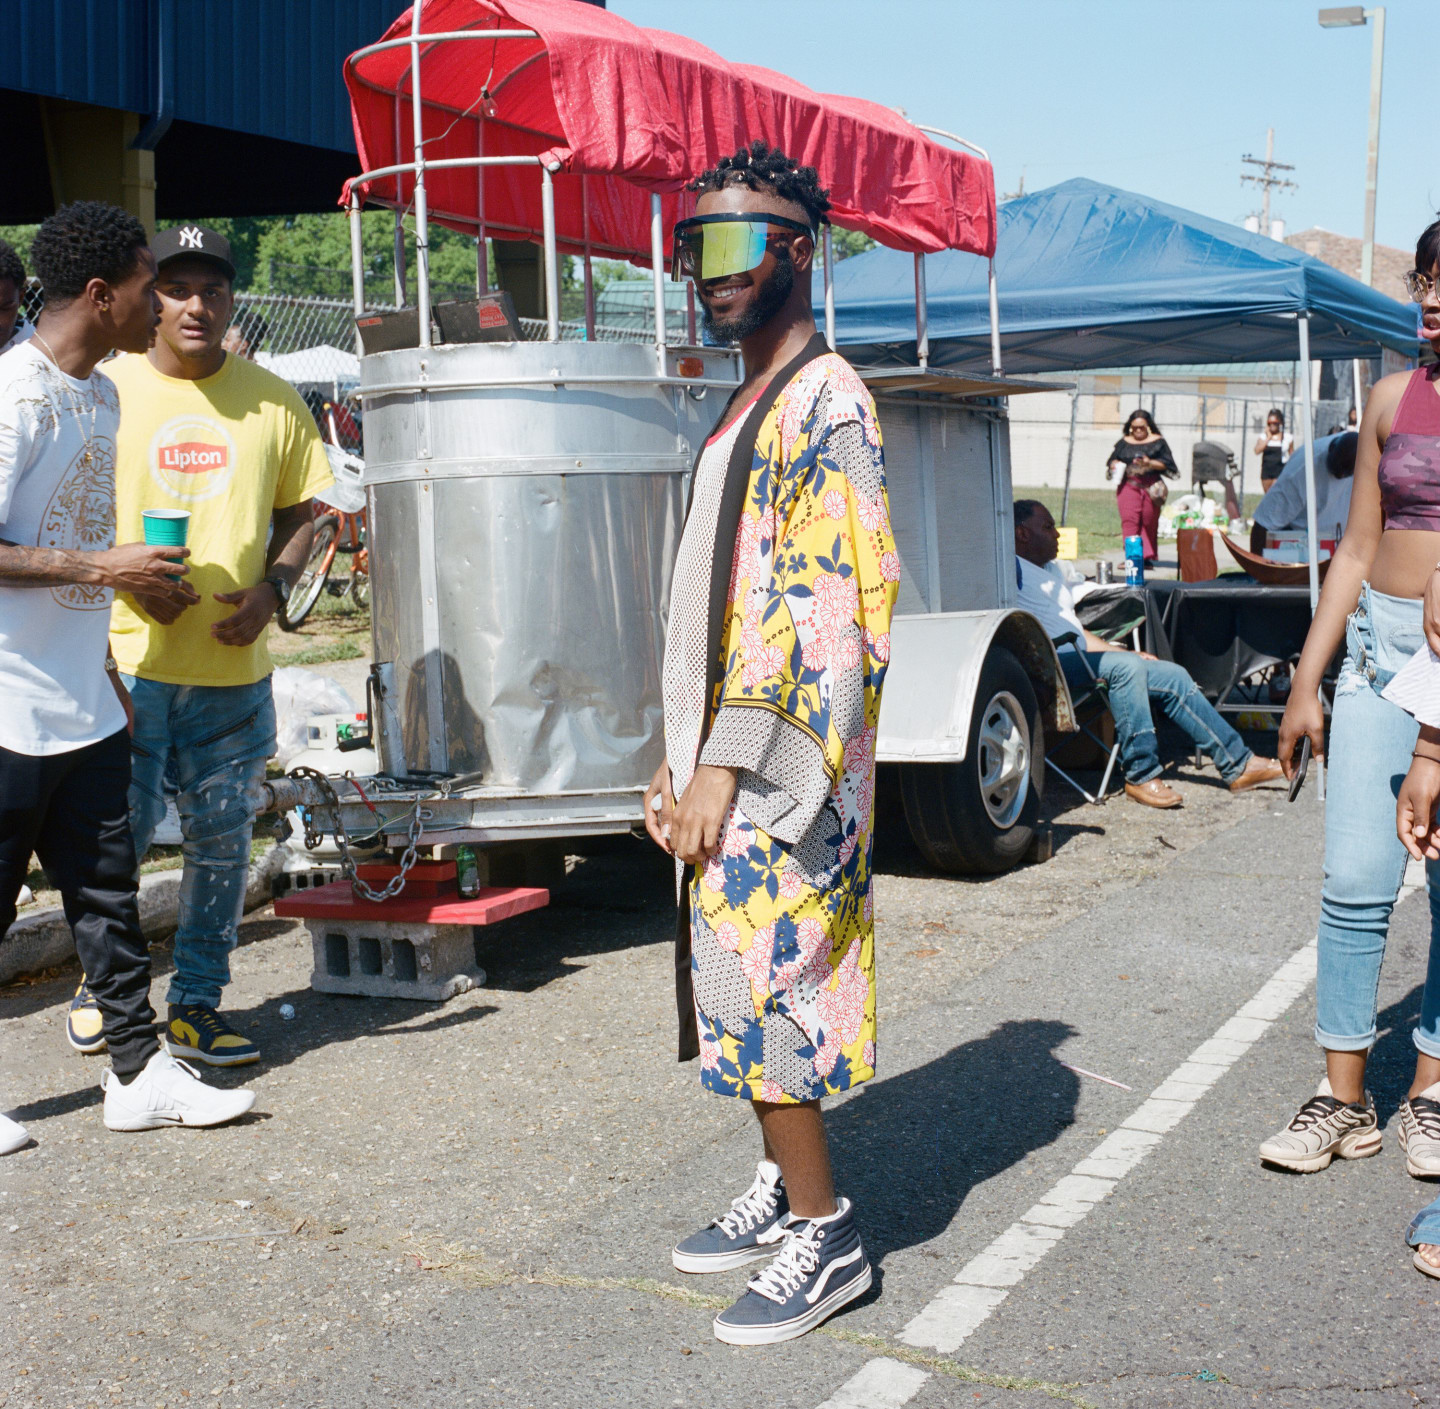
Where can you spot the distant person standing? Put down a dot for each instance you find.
(246, 334)
(1141, 462)
(15, 328)
(207, 432)
(1273, 448)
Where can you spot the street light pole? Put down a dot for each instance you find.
(1344, 17)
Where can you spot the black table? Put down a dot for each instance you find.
(1221, 631)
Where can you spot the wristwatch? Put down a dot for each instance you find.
(282, 588)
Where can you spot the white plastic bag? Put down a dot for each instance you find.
(348, 492)
(300, 694)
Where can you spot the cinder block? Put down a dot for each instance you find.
(393, 959)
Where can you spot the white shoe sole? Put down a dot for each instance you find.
(698, 1263)
(86, 1049)
(126, 1121)
(194, 1054)
(1360, 1145)
(798, 1325)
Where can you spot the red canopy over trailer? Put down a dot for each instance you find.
(595, 97)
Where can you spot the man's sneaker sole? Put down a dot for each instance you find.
(86, 1049)
(797, 1325)
(194, 1054)
(698, 1263)
(1360, 1144)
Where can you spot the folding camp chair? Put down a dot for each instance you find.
(1096, 693)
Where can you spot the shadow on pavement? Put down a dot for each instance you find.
(1391, 1067)
(908, 1149)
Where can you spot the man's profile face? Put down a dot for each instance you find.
(741, 304)
(235, 342)
(9, 308)
(195, 306)
(134, 309)
(1037, 540)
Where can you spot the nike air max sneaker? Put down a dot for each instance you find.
(1420, 1133)
(1323, 1129)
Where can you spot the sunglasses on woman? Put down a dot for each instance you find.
(1417, 285)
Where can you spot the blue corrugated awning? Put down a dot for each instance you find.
(1091, 276)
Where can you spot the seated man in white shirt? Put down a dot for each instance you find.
(1135, 679)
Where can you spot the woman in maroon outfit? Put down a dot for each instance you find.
(1142, 461)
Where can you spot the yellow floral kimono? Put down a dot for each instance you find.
(776, 653)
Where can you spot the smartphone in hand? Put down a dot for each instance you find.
(1301, 769)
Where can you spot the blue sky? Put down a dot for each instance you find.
(1162, 97)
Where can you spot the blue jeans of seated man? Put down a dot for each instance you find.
(1134, 683)
(1425, 1226)
(1370, 744)
(220, 736)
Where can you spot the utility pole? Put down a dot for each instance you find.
(1269, 181)
(1342, 18)
(1015, 195)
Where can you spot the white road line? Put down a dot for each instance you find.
(985, 1281)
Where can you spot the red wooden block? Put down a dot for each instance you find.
(337, 901)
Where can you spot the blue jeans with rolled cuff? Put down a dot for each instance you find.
(220, 737)
(1134, 683)
(1425, 1226)
(1370, 745)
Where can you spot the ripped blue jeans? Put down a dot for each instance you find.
(1370, 744)
(220, 737)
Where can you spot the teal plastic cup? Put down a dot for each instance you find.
(166, 528)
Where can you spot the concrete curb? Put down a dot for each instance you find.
(42, 940)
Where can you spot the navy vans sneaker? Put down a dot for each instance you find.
(751, 1230)
(819, 1269)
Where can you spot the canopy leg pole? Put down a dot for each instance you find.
(829, 289)
(1359, 391)
(690, 332)
(589, 267)
(552, 256)
(657, 271)
(1244, 439)
(1069, 457)
(994, 322)
(401, 297)
(357, 264)
(922, 316)
(1312, 536)
(422, 212)
(482, 245)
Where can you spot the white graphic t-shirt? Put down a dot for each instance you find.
(57, 490)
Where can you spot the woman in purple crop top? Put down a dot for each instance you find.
(1375, 599)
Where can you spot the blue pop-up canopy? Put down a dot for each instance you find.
(1091, 276)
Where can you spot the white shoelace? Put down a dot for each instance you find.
(754, 1206)
(798, 1257)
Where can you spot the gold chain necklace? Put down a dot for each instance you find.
(87, 457)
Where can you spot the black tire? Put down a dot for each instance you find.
(311, 583)
(978, 817)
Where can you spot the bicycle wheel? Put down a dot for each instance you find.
(311, 584)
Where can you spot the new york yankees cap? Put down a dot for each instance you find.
(192, 242)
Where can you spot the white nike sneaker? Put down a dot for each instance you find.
(13, 1136)
(168, 1092)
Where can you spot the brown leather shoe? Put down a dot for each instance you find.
(1258, 770)
(1153, 793)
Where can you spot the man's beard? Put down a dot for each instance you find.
(769, 300)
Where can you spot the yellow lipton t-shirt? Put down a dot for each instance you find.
(230, 449)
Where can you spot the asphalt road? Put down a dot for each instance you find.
(473, 1203)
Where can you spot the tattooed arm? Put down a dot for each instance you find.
(132, 567)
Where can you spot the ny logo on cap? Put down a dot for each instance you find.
(191, 238)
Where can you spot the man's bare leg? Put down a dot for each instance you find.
(794, 1139)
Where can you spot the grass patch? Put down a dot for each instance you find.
(319, 653)
(1093, 512)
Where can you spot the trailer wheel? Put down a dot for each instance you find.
(978, 817)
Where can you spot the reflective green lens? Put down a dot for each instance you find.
(734, 247)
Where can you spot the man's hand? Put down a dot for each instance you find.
(146, 570)
(1415, 809)
(166, 610)
(1432, 611)
(254, 606)
(659, 820)
(1303, 715)
(700, 814)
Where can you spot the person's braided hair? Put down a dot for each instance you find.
(83, 241)
(759, 165)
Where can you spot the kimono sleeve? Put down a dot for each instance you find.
(795, 696)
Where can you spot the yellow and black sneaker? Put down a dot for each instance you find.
(82, 1025)
(194, 1030)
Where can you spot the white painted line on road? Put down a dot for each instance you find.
(880, 1384)
(985, 1281)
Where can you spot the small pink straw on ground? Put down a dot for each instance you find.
(1095, 1076)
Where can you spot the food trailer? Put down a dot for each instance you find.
(527, 479)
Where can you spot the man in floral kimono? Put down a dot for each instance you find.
(778, 638)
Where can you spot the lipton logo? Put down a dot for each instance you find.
(192, 458)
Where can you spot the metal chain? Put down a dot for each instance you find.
(314, 836)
